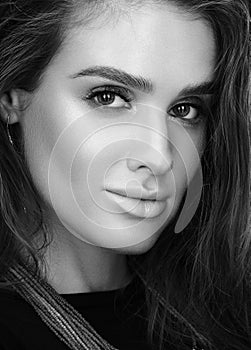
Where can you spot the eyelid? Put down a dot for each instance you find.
(201, 103)
(194, 101)
(189, 99)
(119, 90)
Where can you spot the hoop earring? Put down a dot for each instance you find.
(8, 132)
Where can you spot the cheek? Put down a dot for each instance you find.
(187, 147)
(192, 178)
(38, 144)
(43, 126)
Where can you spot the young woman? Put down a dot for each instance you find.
(125, 175)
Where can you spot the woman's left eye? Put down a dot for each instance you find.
(185, 111)
(111, 97)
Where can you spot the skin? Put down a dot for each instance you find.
(75, 148)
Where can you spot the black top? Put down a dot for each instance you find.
(118, 316)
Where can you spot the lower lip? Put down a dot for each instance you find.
(138, 207)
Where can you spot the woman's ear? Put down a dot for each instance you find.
(11, 105)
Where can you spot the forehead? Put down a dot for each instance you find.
(162, 43)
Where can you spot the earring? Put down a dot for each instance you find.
(8, 132)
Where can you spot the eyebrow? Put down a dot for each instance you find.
(138, 82)
(120, 76)
(205, 88)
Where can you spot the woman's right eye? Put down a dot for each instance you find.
(110, 97)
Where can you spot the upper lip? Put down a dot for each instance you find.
(139, 193)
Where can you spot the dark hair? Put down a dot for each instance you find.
(203, 281)
(199, 285)
(31, 35)
(26, 48)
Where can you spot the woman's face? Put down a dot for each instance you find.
(121, 109)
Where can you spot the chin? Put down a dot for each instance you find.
(139, 248)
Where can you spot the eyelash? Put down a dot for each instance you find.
(123, 93)
(128, 97)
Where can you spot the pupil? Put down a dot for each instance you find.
(183, 110)
(106, 98)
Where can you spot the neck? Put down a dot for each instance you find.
(77, 267)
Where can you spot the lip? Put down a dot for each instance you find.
(138, 193)
(138, 207)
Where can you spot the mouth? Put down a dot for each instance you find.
(139, 207)
(132, 197)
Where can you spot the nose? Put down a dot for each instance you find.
(153, 148)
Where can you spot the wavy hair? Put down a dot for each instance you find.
(197, 282)
(203, 282)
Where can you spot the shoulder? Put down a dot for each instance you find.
(10, 310)
(8, 340)
(13, 307)
(21, 327)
